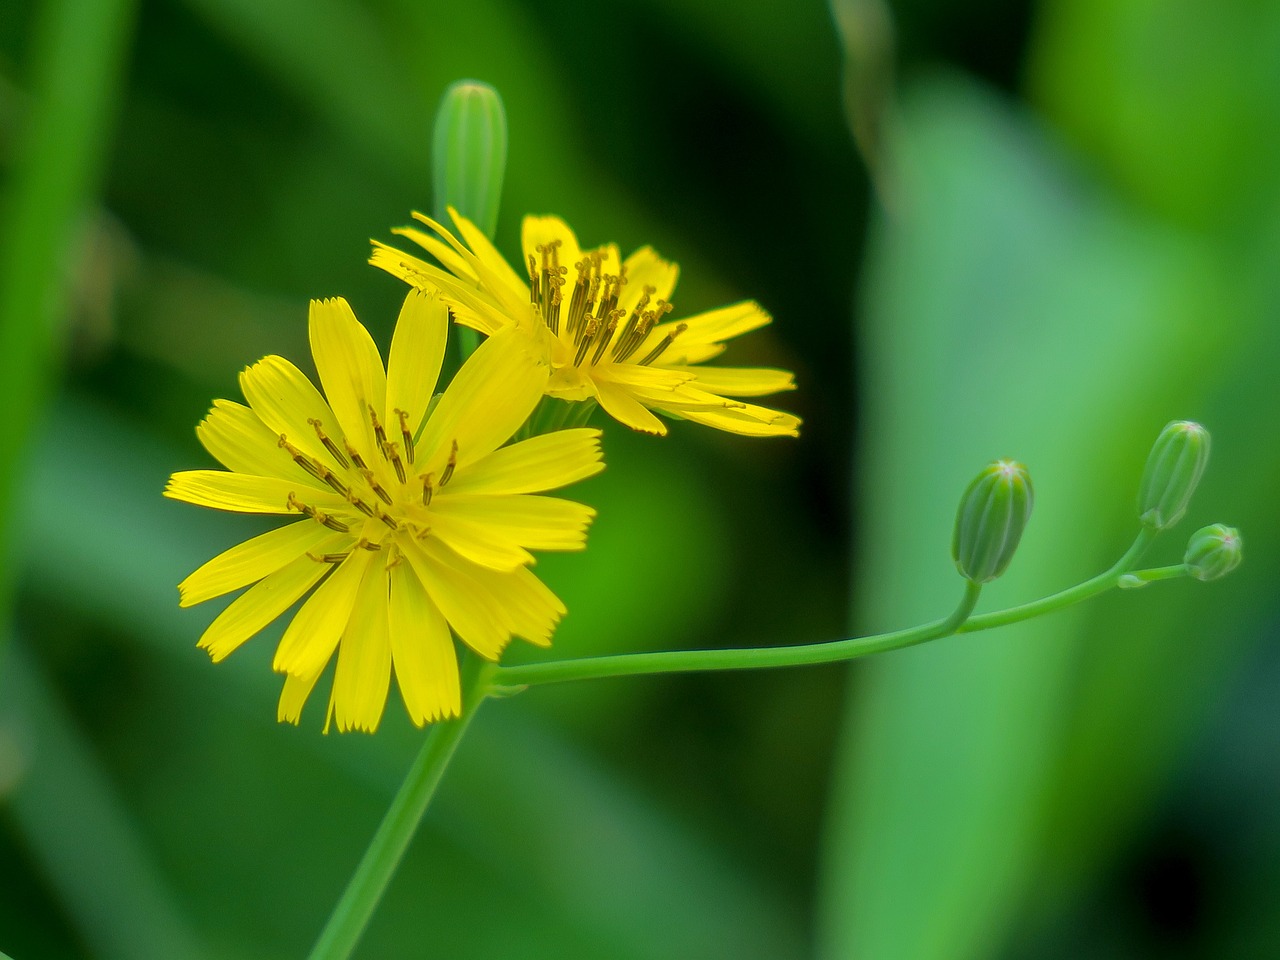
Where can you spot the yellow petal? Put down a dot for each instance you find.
(259, 605)
(252, 560)
(618, 403)
(422, 649)
(363, 675)
(528, 608)
(531, 466)
(738, 381)
(516, 285)
(286, 401)
(646, 269)
(494, 280)
(417, 351)
(492, 395)
(466, 604)
(241, 442)
(705, 332)
(350, 370)
(293, 697)
(521, 520)
(244, 494)
(747, 420)
(311, 637)
(440, 250)
(470, 306)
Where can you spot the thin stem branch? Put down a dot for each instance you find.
(367, 884)
(830, 651)
(688, 661)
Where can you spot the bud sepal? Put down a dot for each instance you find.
(1174, 467)
(1213, 552)
(989, 523)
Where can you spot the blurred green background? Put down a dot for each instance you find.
(1077, 239)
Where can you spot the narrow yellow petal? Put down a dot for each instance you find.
(440, 250)
(243, 494)
(738, 381)
(618, 403)
(293, 697)
(413, 366)
(477, 541)
(630, 375)
(746, 420)
(241, 442)
(646, 269)
(522, 520)
(287, 402)
(313, 634)
(422, 649)
(531, 466)
(516, 285)
(471, 307)
(467, 606)
(493, 278)
(259, 605)
(350, 369)
(492, 395)
(705, 332)
(252, 560)
(527, 606)
(363, 674)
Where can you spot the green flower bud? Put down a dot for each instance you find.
(1173, 469)
(469, 153)
(993, 513)
(1213, 552)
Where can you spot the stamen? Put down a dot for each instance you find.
(553, 309)
(611, 326)
(364, 543)
(406, 434)
(578, 300)
(301, 459)
(332, 480)
(354, 454)
(376, 487)
(328, 444)
(293, 503)
(665, 342)
(329, 557)
(377, 427)
(447, 474)
(583, 344)
(354, 499)
(385, 518)
(391, 451)
(648, 321)
(535, 287)
(427, 488)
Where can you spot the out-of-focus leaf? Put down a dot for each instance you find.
(865, 28)
(1011, 312)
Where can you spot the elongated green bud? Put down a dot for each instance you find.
(1213, 552)
(469, 153)
(993, 513)
(1173, 470)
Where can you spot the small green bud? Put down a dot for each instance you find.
(1213, 552)
(993, 513)
(1173, 470)
(469, 153)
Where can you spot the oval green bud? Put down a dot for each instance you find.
(1173, 470)
(469, 153)
(993, 513)
(1213, 552)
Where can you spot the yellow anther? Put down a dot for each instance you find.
(447, 474)
(427, 487)
(405, 433)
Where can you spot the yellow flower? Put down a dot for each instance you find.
(599, 320)
(415, 518)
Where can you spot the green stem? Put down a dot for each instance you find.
(831, 651)
(365, 889)
(688, 661)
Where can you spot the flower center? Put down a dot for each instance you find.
(385, 500)
(594, 326)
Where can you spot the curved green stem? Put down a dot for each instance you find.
(831, 651)
(688, 661)
(364, 890)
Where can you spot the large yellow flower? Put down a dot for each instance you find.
(415, 518)
(599, 320)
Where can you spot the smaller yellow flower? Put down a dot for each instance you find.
(599, 320)
(416, 518)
